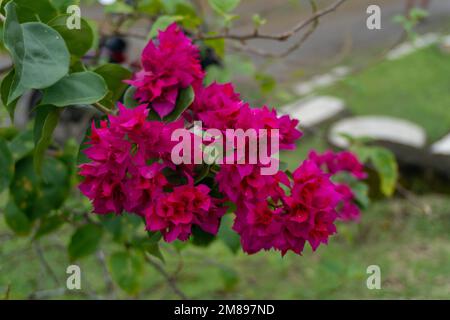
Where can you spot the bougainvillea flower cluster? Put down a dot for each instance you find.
(335, 163)
(169, 66)
(130, 169)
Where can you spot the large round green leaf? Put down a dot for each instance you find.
(40, 8)
(76, 88)
(78, 41)
(39, 53)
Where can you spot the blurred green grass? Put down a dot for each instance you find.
(415, 87)
(411, 248)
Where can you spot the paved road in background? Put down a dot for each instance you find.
(339, 34)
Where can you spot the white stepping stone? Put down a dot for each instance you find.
(442, 147)
(314, 111)
(407, 48)
(321, 81)
(304, 88)
(379, 128)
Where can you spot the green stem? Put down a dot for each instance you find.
(103, 109)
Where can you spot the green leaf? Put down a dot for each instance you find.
(119, 7)
(126, 270)
(150, 7)
(131, 103)
(191, 19)
(41, 8)
(37, 195)
(39, 53)
(155, 251)
(4, 89)
(84, 241)
(48, 225)
(149, 244)
(386, 166)
(22, 145)
(47, 118)
(362, 152)
(258, 21)
(162, 23)
(201, 238)
(361, 192)
(62, 5)
(184, 100)
(217, 74)
(223, 6)
(230, 278)
(6, 165)
(78, 41)
(16, 219)
(77, 88)
(218, 45)
(8, 133)
(128, 98)
(114, 76)
(266, 82)
(227, 235)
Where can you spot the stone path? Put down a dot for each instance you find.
(407, 48)
(442, 147)
(378, 128)
(321, 81)
(408, 140)
(315, 111)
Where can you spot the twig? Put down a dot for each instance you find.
(256, 34)
(52, 293)
(103, 109)
(44, 263)
(291, 49)
(108, 280)
(45, 294)
(8, 292)
(412, 198)
(170, 280)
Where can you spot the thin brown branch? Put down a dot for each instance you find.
(414, 200)
(256, 34)
(110, 288)
(170, 279)
(44, 263)
(8, 292)
(292, 48)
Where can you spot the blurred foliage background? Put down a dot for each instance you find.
(407, 235)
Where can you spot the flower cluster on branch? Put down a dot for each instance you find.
(130, 168)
